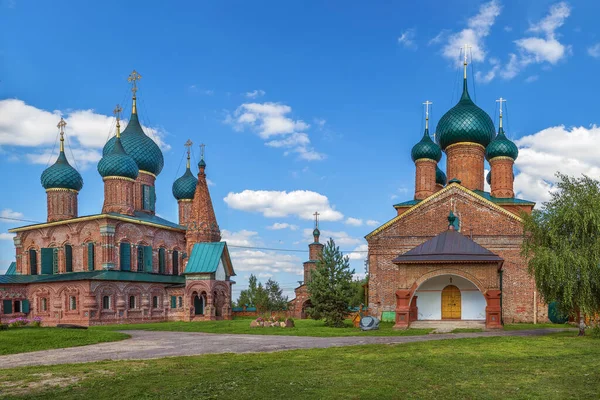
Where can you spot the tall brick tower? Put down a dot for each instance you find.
(144, 151)
(463, 133)
(501, 154)
(183, 190)
(62, 183)
(119, 172)
(202, 225)
(426, 154)
(315, 249)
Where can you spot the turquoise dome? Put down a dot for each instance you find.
(316, 232)
(501, 146)
(440, 176)
(185, 186)
(118, 163)
(139, 146)
(202, 163)
(488, 178)
(61, 175)
(426, 148)
(465, 122)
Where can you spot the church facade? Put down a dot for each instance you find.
(125, 264)
(453, 252)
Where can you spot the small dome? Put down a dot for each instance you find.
(61, 175)
(488, 178)
(501, 146)
(426, 148)
(118, 163)
(185, 186)
(202, 163)
(316, 232)
(465, 122)
(139, 146)
(440, 177)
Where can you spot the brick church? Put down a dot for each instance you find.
(453, 251)
(125, 264)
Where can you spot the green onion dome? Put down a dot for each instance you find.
(316, 232)
(501, 146)
(426, 148)
(139, 146)
(465, 122)
(488, 178)
(440, 176)
(61, 175)
(202, 163)
(185, 186)
(118, 163)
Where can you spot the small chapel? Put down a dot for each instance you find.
(453, 251)
(125, 264)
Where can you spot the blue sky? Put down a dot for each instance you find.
(302, 105)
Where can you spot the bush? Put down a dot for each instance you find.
(36, 322)
(3, 327)
(18, 322)
(595, 331)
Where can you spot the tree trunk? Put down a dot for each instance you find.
(581, 325)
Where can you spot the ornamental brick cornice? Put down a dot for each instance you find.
(465, 144)
(61, 190)
(500, 158)
(121, 178)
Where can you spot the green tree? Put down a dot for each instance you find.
(277, 301)
(358, 296)
(330, 287)
(562, 247)
(247, 296)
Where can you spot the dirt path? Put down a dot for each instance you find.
(152, 344)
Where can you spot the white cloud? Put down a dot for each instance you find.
(282, 225)
(594, 50)
(532, 78)
(277, 204)
(271, 120)
(6, 236)
(359, 253)
(372, 222)
(340, 238)
(86, 133)
(8, 213)
(354, 221)
(478, 27)
(407, 39)
(240, 238)
(571, 151)
(255, 93)
(266, 262)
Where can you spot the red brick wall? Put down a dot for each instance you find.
(144, 178)
(502, 177)
(464, 161)
(118, 195)
(61, 204)
(424, 178)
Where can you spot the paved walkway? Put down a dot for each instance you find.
(151, 344)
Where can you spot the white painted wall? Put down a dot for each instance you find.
(220, 272)
(429, 300)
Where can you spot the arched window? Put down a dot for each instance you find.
(175, 262)
(125, 256)
(68, 258)
(154, 301)
(132, 304)
(33, 268)
(43, 304)
(106, 303)
(161, 261)
(91, 256)
(72, 303)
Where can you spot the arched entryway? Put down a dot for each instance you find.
(449, 297)
(199, 302)
(305, 307)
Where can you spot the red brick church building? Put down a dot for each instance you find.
(453, 252)
(125, 264)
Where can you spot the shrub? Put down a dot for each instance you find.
(36, 322)
(595, 331)
(17, 322)
(3, 327)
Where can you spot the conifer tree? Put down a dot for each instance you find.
(562, 246)
(330, 287)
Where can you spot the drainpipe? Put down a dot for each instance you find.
(501, 297)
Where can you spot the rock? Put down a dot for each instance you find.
(254, 324)
(369, 323)
(282, 324)
(289, 323)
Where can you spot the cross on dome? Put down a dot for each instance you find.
(501, 100)
(465, 48)
(202, 146)
(133, 78)
(427, 104)
(316, 214)
(61, 126)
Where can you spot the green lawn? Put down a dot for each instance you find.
(552, 367)
(304, 327)
(519, 327)
(21, 340)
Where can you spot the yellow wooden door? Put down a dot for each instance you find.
(451, 302)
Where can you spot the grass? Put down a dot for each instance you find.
(522, 326)
(551, 367)
(304, 327)
(466, 330)
(21, 340)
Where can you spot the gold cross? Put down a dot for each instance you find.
(133, 78)
(117, 112)
(61, 125)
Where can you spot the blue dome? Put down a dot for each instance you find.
(501, 146)
(118, 163)
(488, 178)
(426, 148)
(61, 175)
(139, 146)
(185, 186)
(202, 163)
(465, 122)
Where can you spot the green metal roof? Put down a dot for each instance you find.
(185, 186)
(501, 146)
(12, 269)
(118, 163)
(94, 276)
(408, 203)
(61, 175)
(144, 217)
(502, 200)
(205, 258)
(426, 148)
